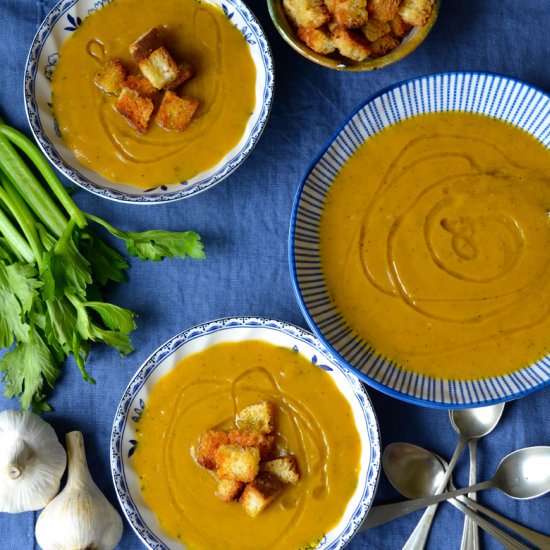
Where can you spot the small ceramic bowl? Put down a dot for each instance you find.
(496, 96)
(58, 25)
(334, 61)
(196, 339)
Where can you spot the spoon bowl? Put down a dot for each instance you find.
(477, 422)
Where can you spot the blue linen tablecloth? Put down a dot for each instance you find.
(244, 223)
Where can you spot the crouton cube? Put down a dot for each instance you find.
(209, 442)
(141, 85)
(383, 45)
(146, 44)
(399, 27)
(110, 78)
(136, 109)
(159, 68)
(185, 72)
(416, 12)
(229, 490)
(306, 13)
(316, 39)
(259, 417)
(260, 493)
(383, 10)
(351, 14)
(247, 438)
(176, 113)
(237, 463)
(284, 468)
(375, 29)
(350, 44)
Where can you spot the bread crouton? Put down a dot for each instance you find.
(237, 463)
(351, 14)
(247, 438)
(185, 72)
(316, 39)
(110, 78)
(416, 12)
(350, 44)
(176, 113)
(146, 44)
(399, 27)
(135, 108)
(159, 68)
(259, 417)
(284, 468)
(383, 10)
(375, 29)
(141, 85)
(229, 490)
(260, 493)
(209, 442)
(306, 13)
(383, 45)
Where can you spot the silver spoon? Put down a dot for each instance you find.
(405, 466)
(461, 420)
(471, 424)
(523, 474)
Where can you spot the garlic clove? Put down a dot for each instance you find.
(80, 516)
(32, 462)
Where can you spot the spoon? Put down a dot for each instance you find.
(460, 421)
(399, 458)
(471, 424)
(523, 474)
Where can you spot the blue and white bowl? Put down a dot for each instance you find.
(198, 338)
(497, 96)
(58, 25)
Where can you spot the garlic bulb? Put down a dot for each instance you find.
(32, 462)
(80, 516)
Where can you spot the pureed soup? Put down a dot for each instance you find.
(224, 83)
(314, 422)
(435, 245)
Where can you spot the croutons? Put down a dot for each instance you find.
(141, 85)
(229, 490)
(237, 463)
(383, 10)
(159, 68)
(185, 72)
(146, 44)
(306, 13)
(399, 27)
(247, 438)
(175, 113)
(416, 12)
(260, 493)
(259, 417)
(110, 78)
(350, 13)
(316, 39)
(350, 44)
(284, 468)
(136, 109)
(209, 442)
(383, 45)
(375, 29)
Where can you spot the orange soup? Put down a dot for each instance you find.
(435, 245)
(224, 83)
(315, 423)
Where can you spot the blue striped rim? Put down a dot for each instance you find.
(498, 96)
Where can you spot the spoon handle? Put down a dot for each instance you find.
(538, 539)
(509, 542)
(470, 535)
(388, 512)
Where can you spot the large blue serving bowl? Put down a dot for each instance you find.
(494, 95)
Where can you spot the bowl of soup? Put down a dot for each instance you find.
(419, 241)
(140, 138)
(195, 384)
